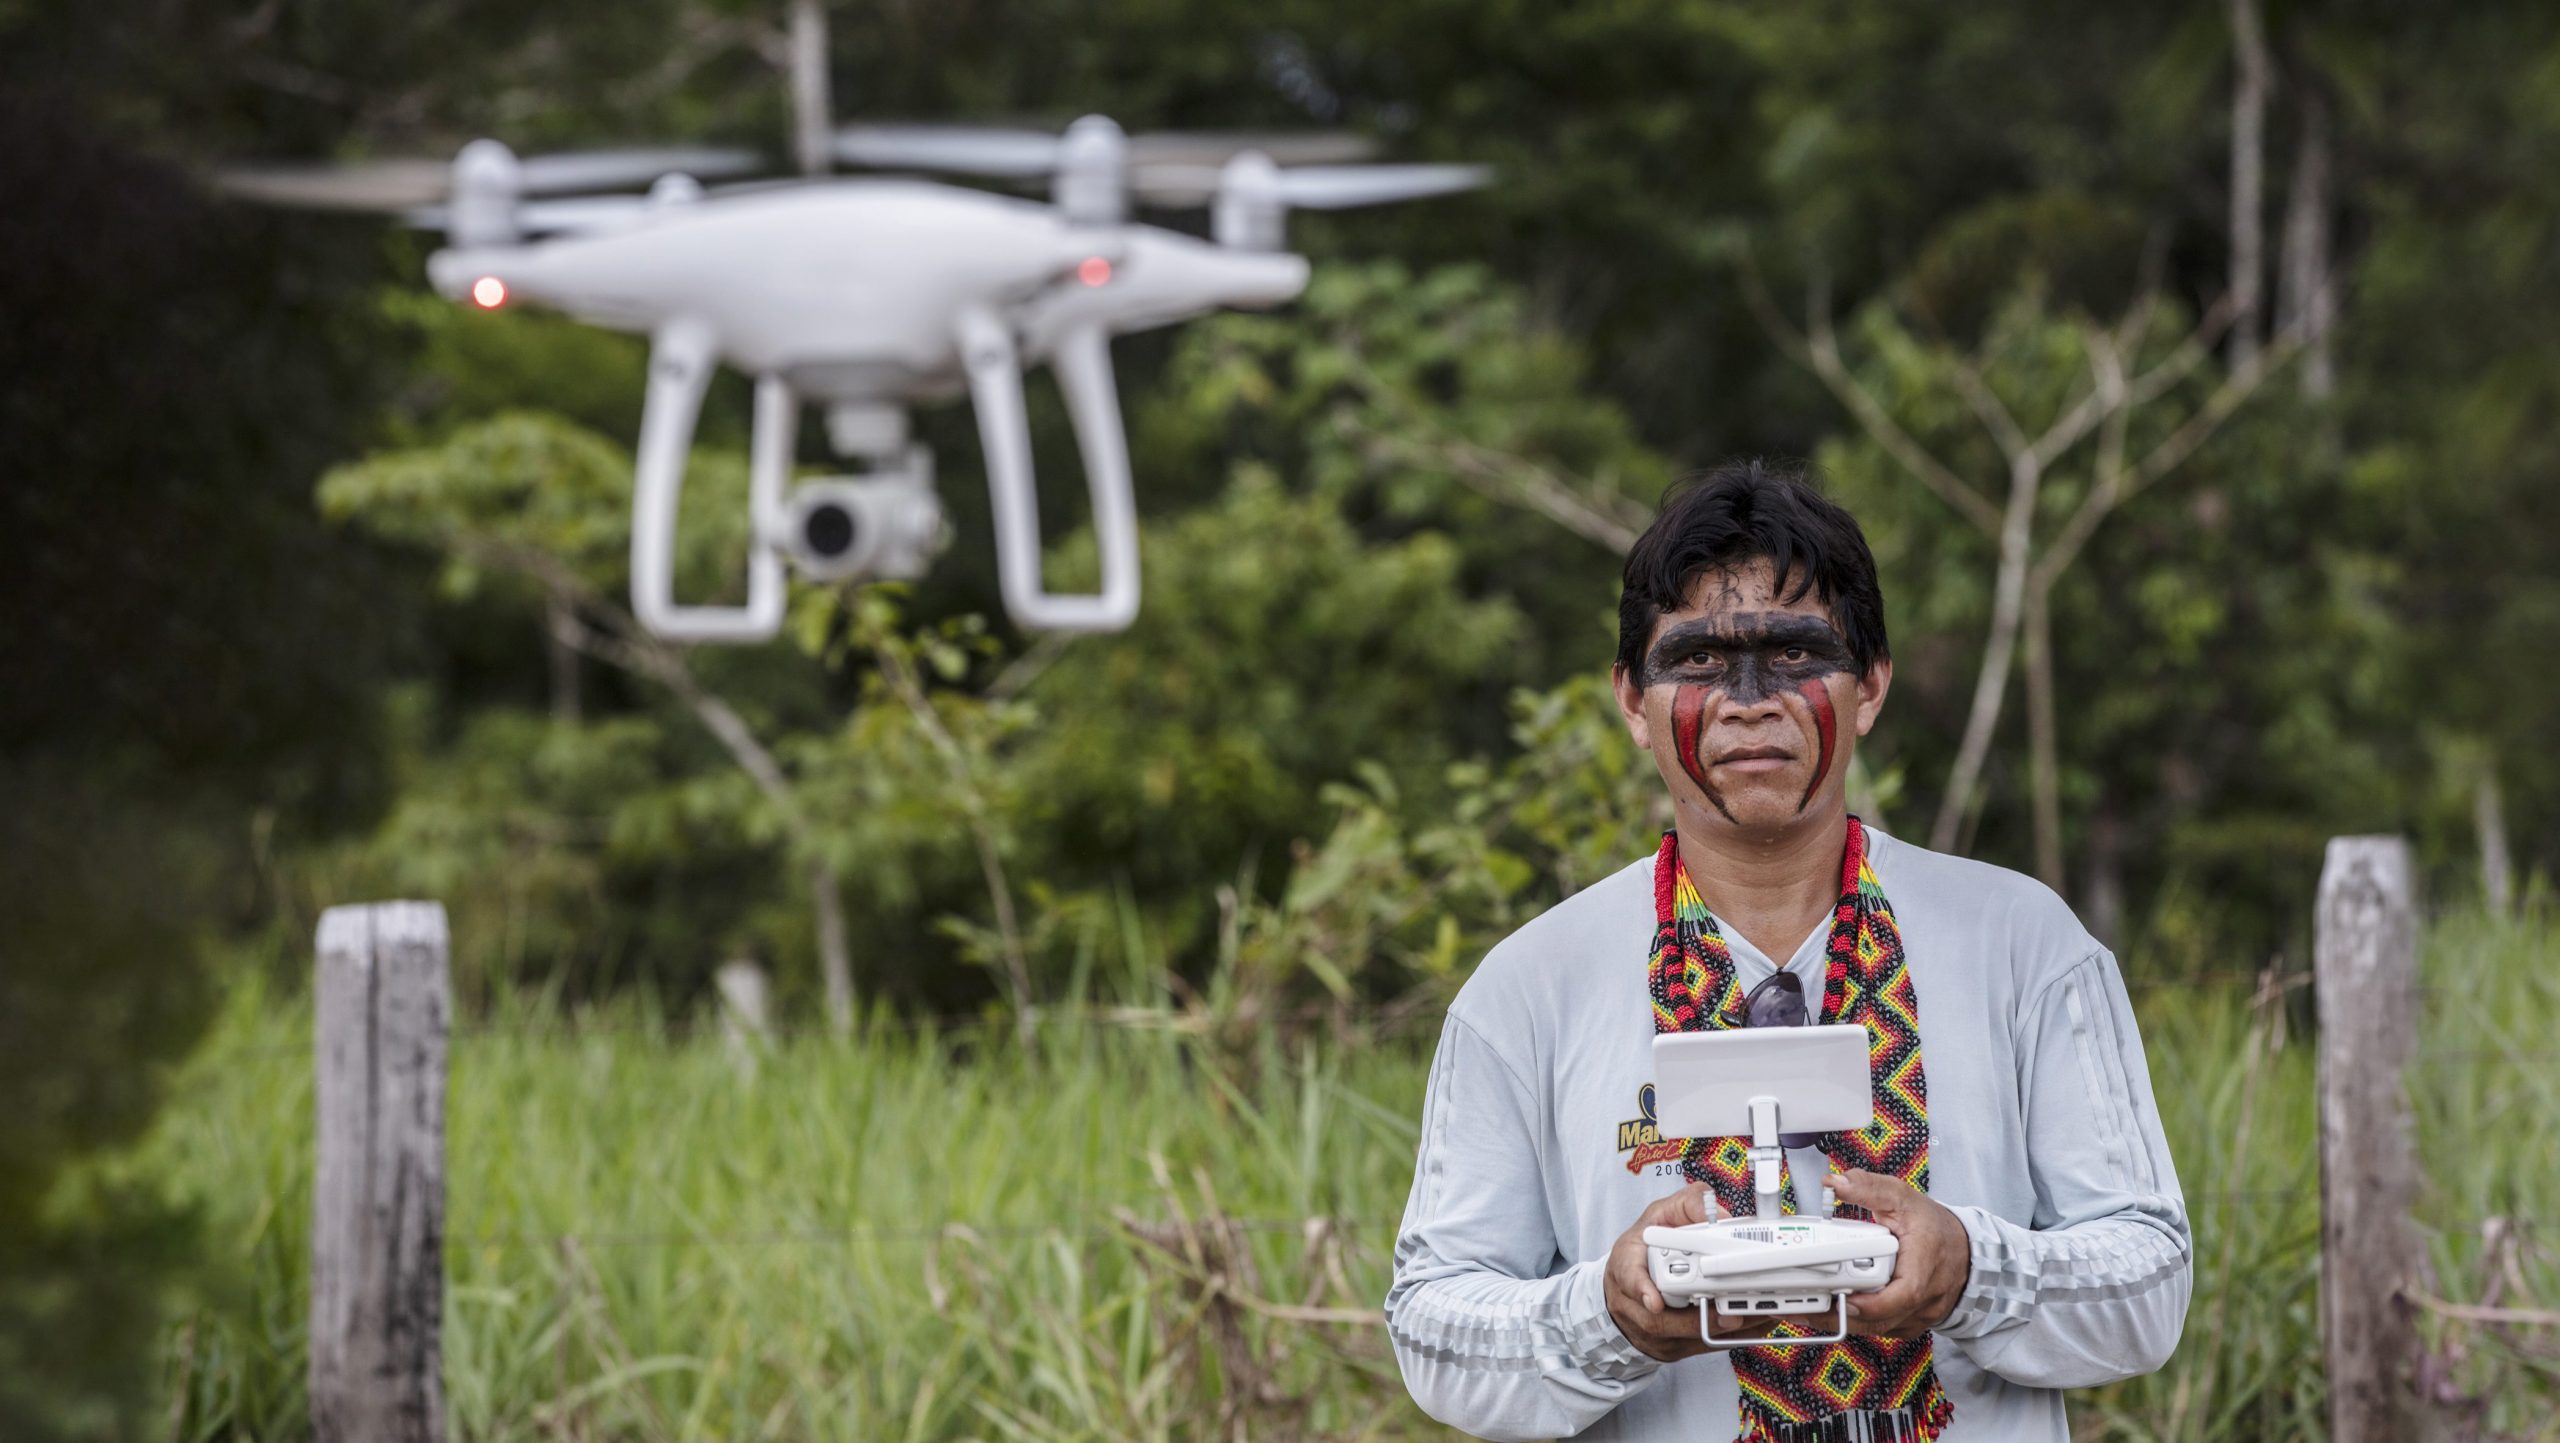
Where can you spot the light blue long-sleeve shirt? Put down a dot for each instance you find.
(2043, 1138)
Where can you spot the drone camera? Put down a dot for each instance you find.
(846, 528)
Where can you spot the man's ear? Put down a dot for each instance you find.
(1871, 690)
(1630, 704)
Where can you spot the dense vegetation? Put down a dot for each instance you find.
(313, 583)
(1133, 1232)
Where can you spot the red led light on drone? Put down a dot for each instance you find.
(488, 293)
(1094, 271)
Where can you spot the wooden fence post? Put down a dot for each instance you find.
(377, 1200)
(2365, 964)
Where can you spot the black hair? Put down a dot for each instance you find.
(1745, 511)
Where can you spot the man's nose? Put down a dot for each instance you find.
(1748, 701)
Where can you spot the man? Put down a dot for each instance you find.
(2017, 1153)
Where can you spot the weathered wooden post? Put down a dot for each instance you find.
(377, 1200)
(2365, 964)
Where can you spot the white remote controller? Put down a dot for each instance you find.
(1771, 1268)
(1734, 1083)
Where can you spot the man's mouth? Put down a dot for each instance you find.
(1755, 759)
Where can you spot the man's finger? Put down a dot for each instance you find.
(1632, 1278)
(1874, 1191)
(1744, 1327)
(1896, 1294)
(1883, 1197)
(1892, 1300)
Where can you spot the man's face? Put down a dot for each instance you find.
(1750, 704)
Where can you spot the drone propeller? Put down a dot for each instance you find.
(1341, 187)
(569, 215)
(1089, 165)
(406, 184)
(1250, 197)
(1026, 154)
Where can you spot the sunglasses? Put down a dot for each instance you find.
(1779, 1002)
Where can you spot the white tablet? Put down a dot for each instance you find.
(1704, 1081)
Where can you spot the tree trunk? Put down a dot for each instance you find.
(2248, 178)
(826, 898)
(2306, 297)
(812, 127)
(2102, 895)
(2043, 747)
(1999, 651)
(560, 622)
(835, 951)
(2489, 819)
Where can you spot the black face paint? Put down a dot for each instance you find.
(1748, 657)
(1752, 655)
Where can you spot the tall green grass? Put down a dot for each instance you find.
(928, 1235)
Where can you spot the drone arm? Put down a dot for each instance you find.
(681, 356)
(1083, 361)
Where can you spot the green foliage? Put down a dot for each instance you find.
(525, 492)
(98, 998)
(1431, 399)
(573, 859)
(1201, 729)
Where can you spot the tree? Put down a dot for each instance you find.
(544, 503)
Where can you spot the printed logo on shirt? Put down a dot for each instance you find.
(1641, 1137)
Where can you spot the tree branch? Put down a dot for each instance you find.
(1818, 350)
(1604, 519)
(2115, 485)
(1520, 481)
(1991, 411)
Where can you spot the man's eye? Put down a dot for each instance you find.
(1702, 658)
(1796, 653)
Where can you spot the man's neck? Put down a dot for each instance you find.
(1769, 887)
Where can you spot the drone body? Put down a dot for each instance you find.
(851, 289)
(868, 297)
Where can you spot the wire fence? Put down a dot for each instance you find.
(1096, 1224)
(1365, 1021)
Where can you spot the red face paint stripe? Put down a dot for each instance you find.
(1818, 696)
(1688, 725)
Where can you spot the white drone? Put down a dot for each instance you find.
(870, 296)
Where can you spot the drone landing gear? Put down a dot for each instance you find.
(681, 356)
(884, 522)
(1083, 362)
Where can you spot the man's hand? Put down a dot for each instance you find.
(1930, 1272)
(1665, 1334)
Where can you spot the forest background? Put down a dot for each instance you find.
(2192, 366)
